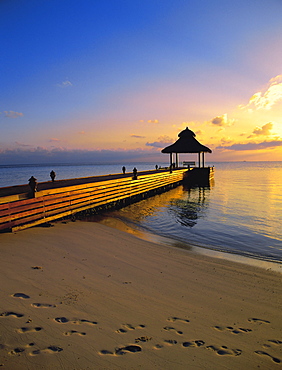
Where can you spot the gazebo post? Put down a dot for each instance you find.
(199, 159)
(170, 159)
(176, 159)
(203, 159)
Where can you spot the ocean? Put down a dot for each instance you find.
(239, 214)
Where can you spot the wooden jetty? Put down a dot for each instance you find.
(19, 209)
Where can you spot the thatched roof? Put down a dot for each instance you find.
(186, 144)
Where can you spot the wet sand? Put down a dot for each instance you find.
(82, 295)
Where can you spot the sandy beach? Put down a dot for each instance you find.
(82, 295)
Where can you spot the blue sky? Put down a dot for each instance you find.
(126, 76)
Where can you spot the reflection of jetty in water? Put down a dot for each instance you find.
(188, 210)
(159, 213)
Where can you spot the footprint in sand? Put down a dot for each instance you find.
(170, 328)
(64, 320)
(43, 305)
(27, 330)
(21, 295)
(170, 342)
(122, 350)
(143, 339)
(48, 350)
(231, 329)
(127, 327)
(274, 359)
(84, 321)
(71, 332)
(193, 343)
(275, 341)
(173, 318)
(260, 321)
(223, 351)
(17, 351)
(10, 313)
(61, 320)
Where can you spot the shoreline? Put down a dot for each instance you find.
(119, 224)
(80, 295)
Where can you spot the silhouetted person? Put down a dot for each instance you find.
(33, 185)
(134, 173)
(123, 170)
(53, 175)
(157, 166)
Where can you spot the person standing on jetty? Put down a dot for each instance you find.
(134, 173)
(33, 185)
(123, 169)
(53, 175)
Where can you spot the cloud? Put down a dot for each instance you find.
(57, 155)
(253, 146)
(12, 114)
(54, 139)
(264, 130)
(266, 100)
(222, 121)
(137, 136)
(82, 132)
(22, 145)
(153, 121)
(65, 84)
(162, 142)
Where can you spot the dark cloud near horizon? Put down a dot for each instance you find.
(253, 146)
(59, 156)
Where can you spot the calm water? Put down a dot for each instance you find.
(240, 213)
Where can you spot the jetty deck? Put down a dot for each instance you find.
(20, 208)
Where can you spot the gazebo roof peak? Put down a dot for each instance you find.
(186, 133)
(186, 144)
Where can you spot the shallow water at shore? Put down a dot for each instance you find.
(240, 213)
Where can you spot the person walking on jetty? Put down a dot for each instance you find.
(53, 175)
(123, 169)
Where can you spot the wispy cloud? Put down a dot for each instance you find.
(267, 99)
(161, 142)
(22, 145)
(137, 136)
(12, 114)
(149, 121)
(253, 146)
(65, 84)
(54, 140)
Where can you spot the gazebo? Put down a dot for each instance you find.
(187, 144)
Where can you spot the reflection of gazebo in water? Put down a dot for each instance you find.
(187, 144)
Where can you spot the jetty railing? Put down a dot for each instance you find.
(19, 212)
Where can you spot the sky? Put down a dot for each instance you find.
(98, 81)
